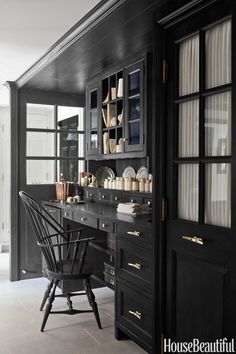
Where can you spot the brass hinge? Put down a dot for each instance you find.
(164, 71)
(162, 343)
(163, 209)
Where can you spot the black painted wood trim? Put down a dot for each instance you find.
(14, 245)
(94, 17)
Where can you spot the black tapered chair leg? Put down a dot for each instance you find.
(49, 305)
(46, 294)
(69, 302)
(92, 302)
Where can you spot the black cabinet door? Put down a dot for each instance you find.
(200, 237)
(134, 107)
(93, 119)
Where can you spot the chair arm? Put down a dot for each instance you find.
(65, 243)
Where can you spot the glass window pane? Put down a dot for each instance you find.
(93, 119)
(134, 83)
(189, 66)
(134, 133)
(218, 125)
(218, 55)
(188, 186)
(93, 140)
(40, 116)
(218, 194)
(70, 169)
(40, 144)
(189, 129)
(134, 108)
(70, 117)
(40, 172)
(70, 144)
(93, 99)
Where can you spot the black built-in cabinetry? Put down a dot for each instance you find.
(115, 114)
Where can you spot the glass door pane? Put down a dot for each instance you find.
(218, 194)
(218, 124)
(188, 186)
(218, 55)
(189, 129)
(189, 66)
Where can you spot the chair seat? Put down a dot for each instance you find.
(67, 275)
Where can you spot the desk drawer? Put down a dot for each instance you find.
(91, 193)
(134, 199)
(135, 234)
(104, 196)
(134, 264)
(117, 197)
(134, 312)
(106, 225)
(68, 213)
(86, 219)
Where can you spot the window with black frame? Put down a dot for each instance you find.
(54, 143)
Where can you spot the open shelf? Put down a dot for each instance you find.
(102, 246)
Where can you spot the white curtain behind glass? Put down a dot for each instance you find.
(188, 192)
(189, 129)
(218, 55)
(218, 194)
(189, 66)
(218, 125)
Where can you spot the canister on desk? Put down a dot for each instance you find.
(106, 183)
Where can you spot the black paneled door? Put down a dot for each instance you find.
(200, 229)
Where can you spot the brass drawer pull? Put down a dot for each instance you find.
(193, 239)
(52, 211)
(116, 198)
(135, 265)
(134, 233)
(104, 225)
(83, 219)
(103, 196)
(135, 314)
(90, 194)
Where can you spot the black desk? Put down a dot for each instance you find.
(133, 263)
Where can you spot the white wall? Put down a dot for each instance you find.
(4, 178)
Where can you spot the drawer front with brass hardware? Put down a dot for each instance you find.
(134, 199)
(106, 225)
(68, 214)
(91, 193)
(117, 197)
(86, 219)
(104, 196)
(136, 234)
(134, 264)
(134, 312)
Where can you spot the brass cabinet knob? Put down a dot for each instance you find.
(116, 198)
(83, 219)
(104, 225)
(103, 196)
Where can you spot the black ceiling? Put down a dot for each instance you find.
(122, 33)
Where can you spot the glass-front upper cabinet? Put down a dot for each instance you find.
(93, 120)
(134, 112)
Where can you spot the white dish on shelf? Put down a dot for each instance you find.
(103, 173)
(129, 172)
(142, 173)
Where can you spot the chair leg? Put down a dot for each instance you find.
(46, 294)
(92, 302)
(49, 305)
(69, 302)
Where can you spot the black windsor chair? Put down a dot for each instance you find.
(64, 256)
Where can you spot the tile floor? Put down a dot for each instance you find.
(20, 321)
